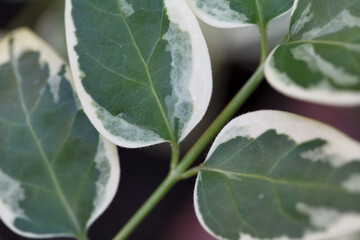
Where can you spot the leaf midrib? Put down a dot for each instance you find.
(274, 181)
(58, 189)
(151, 82)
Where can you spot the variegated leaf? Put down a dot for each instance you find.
(141, 68)
(57, 175)
(276, 175)
(320, 60)
(239, 13)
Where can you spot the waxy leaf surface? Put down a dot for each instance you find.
(276, 175)
(57, 175)
(320, 60)
(141, 68)
(239, 13)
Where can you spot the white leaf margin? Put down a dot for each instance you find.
(283, 83)
(111, 187)
(214, 22)
(25, 40)
(200, 85)
(300, 129)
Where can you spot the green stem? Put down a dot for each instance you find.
(179, 171)
(174, 155)
(145, 209)
(264, 44)
(191, 172)
(263, 33)
(240, 98)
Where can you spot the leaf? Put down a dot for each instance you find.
(239, 13)
(276, 175)
(142, 72)
(57, 175)
(320, 60)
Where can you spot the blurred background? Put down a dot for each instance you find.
(234, 55)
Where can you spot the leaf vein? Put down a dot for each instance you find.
(161, 107)
(242, 219)
(277, 181)
(113, 72)
(53, 176)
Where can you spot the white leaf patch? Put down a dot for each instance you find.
(281, 75)
(178, 103)
(11, 194)
(319, 154)
(25, 41)
(218, 13)
(199, 82)
(343, 20)
(244, 236)
(126, 8)
(107, 163)
(220, 9)
(316, 63)
(317, 34)
(331, 224)
(301, 22)
(319, 217)
(54, 83)
(322, 92)
(104, 168)
(121, 129)
(339, 150)
(352, 184)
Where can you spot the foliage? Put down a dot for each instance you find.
(142, 75)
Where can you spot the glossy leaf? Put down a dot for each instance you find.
(239, 13)
(57, 175)
(141, 68)
(276, 175)
(320, 60)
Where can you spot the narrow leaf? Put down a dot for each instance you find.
(320, 60)
(275, 175)
(57, 175)
(239, 13)
(141, 68)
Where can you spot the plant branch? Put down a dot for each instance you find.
(174, 155)
(145, 209)
(240, 98)
(179, 171)
(177, 174)
(264, 44)
(191, 172)
(263, 33)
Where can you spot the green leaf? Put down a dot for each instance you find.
(141, 68)
(57, 175)
(239, 13)
(320, 60)
(276, 175)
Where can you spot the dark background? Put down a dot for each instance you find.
(142, 170)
